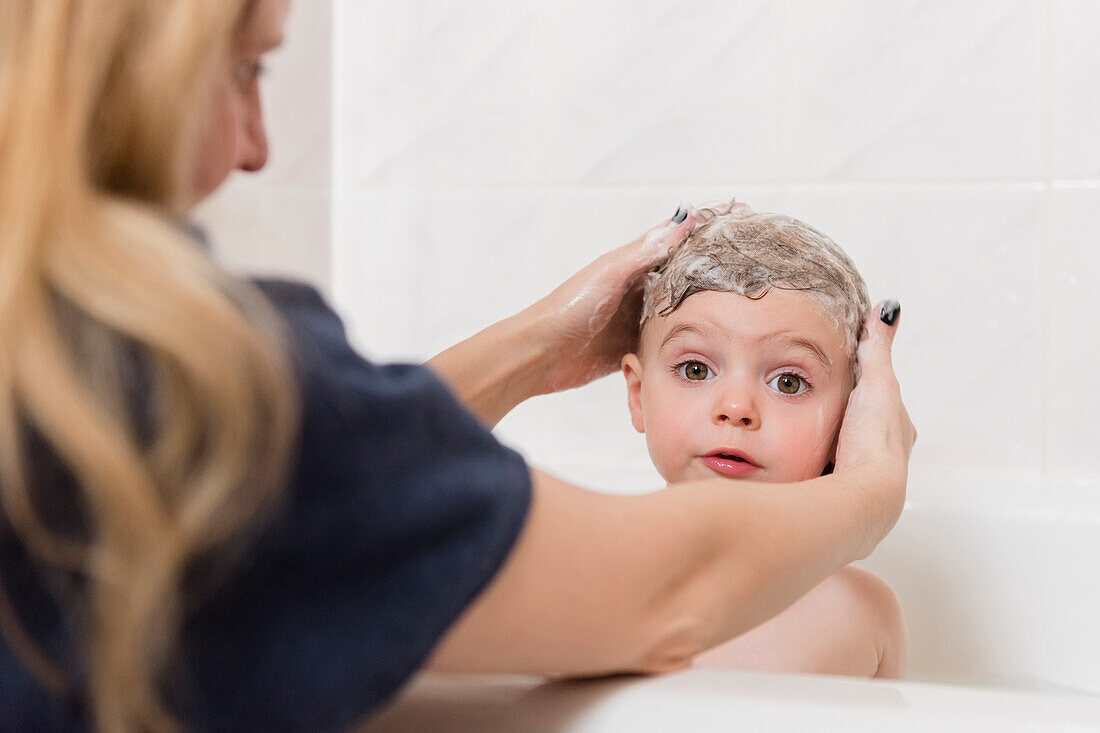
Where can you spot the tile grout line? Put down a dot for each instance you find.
(1046, 229)
(777, 186)
(781, 78)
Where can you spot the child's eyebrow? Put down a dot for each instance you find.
(680, 330)
(804, 344)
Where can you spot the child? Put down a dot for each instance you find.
(745, 362)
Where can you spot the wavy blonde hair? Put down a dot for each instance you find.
(101, 104)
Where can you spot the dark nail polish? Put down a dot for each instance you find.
(890, 311)
(680, 215)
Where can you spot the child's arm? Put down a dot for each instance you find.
(850, 624)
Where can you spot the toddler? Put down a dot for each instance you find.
(746, 358)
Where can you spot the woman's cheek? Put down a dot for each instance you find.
(218, 143)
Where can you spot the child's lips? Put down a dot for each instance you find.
(730, 463)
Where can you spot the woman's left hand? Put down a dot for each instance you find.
(589, 321)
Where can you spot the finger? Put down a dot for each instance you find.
(625, 266)
(658, 243)
(680, 226)
(875, 349)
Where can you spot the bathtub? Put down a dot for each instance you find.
(1001, 591)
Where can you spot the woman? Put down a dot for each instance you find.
(216, 515)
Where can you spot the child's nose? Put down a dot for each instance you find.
(737, 407)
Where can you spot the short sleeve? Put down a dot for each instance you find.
(402, 508)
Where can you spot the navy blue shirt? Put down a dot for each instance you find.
(402, 508)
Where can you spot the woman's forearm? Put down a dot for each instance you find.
(600, 583)
(494, 370)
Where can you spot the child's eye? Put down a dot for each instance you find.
(694, 371)
(790, 384)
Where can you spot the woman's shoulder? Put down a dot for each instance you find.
(402, 508)
(370, 418)
(333, 376)
(290, 294)
(303, 308)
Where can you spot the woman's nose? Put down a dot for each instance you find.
(253, 147)
(736, 406)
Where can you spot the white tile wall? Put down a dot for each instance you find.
(460, 94)
(484, 151)
(1075, 89)
(914, 90)
(1070, 271)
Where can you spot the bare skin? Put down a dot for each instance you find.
(850, 624)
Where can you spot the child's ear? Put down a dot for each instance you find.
(632, 370)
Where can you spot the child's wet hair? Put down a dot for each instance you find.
(736, 250)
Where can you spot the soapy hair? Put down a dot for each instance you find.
(101, 107)
(733, 249)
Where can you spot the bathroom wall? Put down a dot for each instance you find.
(484, 151)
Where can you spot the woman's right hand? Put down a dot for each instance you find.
(577, 333)
(588, 322)
(877, 435)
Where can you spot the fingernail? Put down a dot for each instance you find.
(890, 311)
(680, 215)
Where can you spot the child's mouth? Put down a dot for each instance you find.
(730, 463)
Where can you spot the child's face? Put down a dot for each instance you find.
(725, 377)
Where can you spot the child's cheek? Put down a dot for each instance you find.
(669, 428)
(804, 447)
(665, 448)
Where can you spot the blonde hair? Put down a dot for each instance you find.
(735, 250)
(101, 103)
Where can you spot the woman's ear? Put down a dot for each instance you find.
(632, 371)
